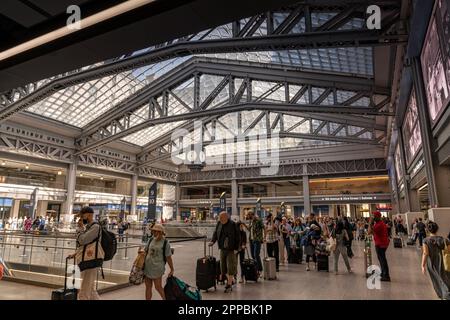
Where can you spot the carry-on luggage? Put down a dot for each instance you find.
(411, 241)
(250, 269)
(322, 262)
(398, 243)
(295, 255)
(206, 271)
(66, 293)
(269, 267)
(176, 289)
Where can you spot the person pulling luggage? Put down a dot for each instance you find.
(227, 235)
(157, 253)
(257, 235)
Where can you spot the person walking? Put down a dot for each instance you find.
(272, 237)
(309, 241)
(433, 261)
(242, 248)
(378, 228)
(157, 253)
(121, 229)
(256, 228)
(340, 234)
(285, 231)
(227, 235)
(421, 228)
(348, 240)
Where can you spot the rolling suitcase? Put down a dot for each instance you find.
(322, 262)
(295, 255)
(65, 293)
(398, 243)
(269, 267)
(250, 269)
(206, 271)
(411, 242)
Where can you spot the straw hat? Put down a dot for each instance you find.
(158, 227)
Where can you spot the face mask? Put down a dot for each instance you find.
(85, 221)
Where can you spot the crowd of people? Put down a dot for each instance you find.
(282, 237)
(28, 224)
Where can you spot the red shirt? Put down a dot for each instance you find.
(380, 235)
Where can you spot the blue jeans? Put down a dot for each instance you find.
(255, 249)
(287, 245)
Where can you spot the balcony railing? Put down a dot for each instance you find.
(31, 182)
(84, 187)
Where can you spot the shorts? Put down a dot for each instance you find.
(228, 262)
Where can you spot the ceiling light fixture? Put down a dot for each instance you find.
(59, 172)
(81, 174)
(84, 23)
(3, 163)
(27, 166)
(101, 178)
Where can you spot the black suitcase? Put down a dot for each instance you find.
(322, 262)
(250, 269)
(295, 255)
(65, 293)
(398, 242)
(206, 272)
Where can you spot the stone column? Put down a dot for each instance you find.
(133, 192)
(211, 192)
(71, 177)
(15, 209)
(306, 198)
(234, 196)
(177, 202)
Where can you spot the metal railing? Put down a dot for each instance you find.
(40, 259)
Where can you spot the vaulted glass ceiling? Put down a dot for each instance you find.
(81, 104)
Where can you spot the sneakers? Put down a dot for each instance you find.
(307, 269)
(241, 280)
(350, 271)
(387, 279)
(228, 288)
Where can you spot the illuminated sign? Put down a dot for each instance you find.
(411, 129)
(435, 60)
(417, 167)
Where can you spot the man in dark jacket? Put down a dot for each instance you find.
(422, 231)
(227, 235)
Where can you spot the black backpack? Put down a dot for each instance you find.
(109, 244)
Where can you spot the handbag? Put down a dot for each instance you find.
(331, 244)
(90, 255)
(446, 259)
(137, 270)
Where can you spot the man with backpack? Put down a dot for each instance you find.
(88, 240)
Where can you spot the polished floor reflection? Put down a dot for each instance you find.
(294, 281)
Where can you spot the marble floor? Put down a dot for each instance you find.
(293, 282)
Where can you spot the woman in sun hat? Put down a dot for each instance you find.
(157, 253)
